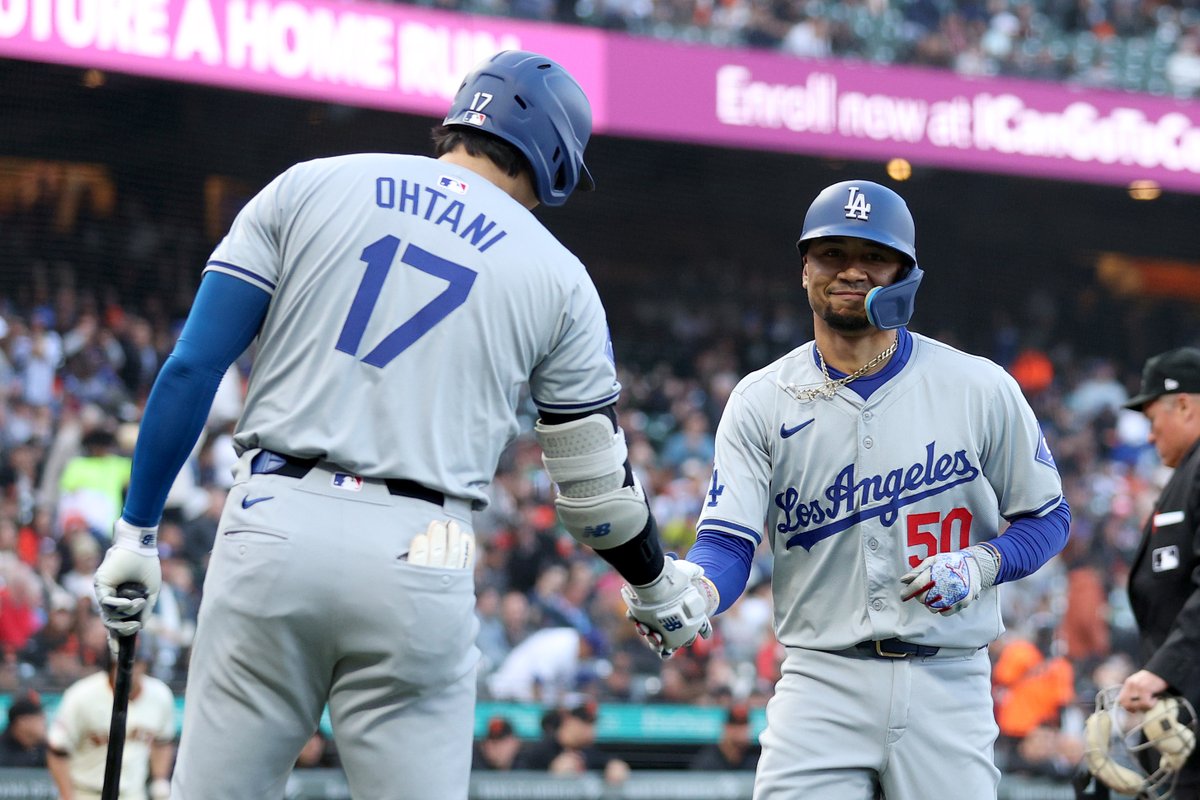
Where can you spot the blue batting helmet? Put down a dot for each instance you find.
(535, 105)
(866, 210)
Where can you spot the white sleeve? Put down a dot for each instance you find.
(1017, 461)
(251, 249)
(64, 732)
(735, 503)
(579, 373)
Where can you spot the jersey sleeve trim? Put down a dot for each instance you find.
(569, 407)
(726, 527)
(1040, 511)
(234, 269)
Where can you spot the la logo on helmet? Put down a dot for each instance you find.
(857, 207)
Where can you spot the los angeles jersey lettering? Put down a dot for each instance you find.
(871, 486)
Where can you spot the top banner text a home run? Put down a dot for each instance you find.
(412, 59)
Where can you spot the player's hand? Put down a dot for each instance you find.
(949, 582)
(133, 558)
(673, 610)
(443, 544)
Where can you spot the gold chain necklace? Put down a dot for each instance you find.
(829, 388)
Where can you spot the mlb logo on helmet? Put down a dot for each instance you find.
(347, 482)
(474, 118)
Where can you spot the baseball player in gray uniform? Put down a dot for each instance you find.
(883, 466)
(400, 303)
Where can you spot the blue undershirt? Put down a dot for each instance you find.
(224, 320)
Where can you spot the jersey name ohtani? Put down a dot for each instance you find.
(850, 500)
(410, 197)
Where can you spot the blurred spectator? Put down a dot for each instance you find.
(546, 666)
(497, 750)
(78, 736)
(568, 746)
(1030, 689)
(20, 609)
(1183, 66)
(23, 743)
(734, 750)
(93, 484)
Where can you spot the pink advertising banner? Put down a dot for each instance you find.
(836, 108)
(394, 57)
(411, 59)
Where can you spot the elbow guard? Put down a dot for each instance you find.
(586, 459)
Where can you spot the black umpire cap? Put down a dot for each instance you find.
(1173, 372)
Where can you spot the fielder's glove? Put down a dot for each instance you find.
(133, 558)
(443, 545)
(948, 582)
(673, 610)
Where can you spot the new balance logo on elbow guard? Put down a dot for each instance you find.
(598, 531)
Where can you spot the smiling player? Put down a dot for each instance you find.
(882, 465)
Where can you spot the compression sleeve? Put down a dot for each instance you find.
(1029, 542)
(224, 319)
(726, 561)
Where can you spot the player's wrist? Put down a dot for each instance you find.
(127, 536)
(987, 557)
(160, 789)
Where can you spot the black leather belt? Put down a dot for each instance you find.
(268, 462)
(893, 648)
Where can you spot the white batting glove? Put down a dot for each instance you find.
(443, 545)
(948, 582)
(673, 610)
(133, 558)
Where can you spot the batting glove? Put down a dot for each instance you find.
(673, 610)
(443, 545)
(948, 582)
(133, 558)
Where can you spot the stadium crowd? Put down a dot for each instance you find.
(1139, 45)
(77, 360)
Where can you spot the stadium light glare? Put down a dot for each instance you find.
(1144, 190)
(898, 169)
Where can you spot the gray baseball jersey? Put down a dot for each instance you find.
(855, 493)
(420, 319)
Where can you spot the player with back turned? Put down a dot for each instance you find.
(400, 303)
(883, 465)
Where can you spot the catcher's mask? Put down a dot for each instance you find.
(534, 104)
(866, 210)
(1121, 745)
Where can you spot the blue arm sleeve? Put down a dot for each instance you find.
(1031, 541)
(726, 561)
(223, 321)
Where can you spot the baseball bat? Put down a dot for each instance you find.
(122, 684)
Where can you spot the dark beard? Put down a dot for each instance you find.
(847, 322)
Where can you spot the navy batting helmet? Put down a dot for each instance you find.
(866, 210)
(535, 105)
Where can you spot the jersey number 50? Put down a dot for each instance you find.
(958, 521)
(379, 257)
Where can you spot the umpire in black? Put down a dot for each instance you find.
(1164, 579)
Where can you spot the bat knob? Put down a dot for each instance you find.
(131, 591)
